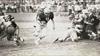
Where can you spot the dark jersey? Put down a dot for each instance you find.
(45, 17)
(94, 19)
(14, 24)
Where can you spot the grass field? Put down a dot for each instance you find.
(46, 47)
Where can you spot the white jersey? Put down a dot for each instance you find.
(1, 19)
(80, 0)
(70, 7)
(59, 8)
(7, 23)
(47, 10)
(77, 8)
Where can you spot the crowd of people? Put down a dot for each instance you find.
(16, 8)
(56, 6)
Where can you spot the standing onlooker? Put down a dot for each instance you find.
(70, 8)
(14, 8)
(77, 8)
(59, 7)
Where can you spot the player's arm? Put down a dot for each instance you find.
(79, 20)
(52, 19)
(37, 17)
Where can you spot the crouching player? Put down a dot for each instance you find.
(9, 27)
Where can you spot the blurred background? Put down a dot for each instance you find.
(31, 6)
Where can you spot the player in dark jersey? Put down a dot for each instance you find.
(42, 19)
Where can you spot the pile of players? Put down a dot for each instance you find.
(86, 23)
(84, 20)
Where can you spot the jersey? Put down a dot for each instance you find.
(1, 19)
(41, 17)
(45, 16)
(78, 19)
(7, 23)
